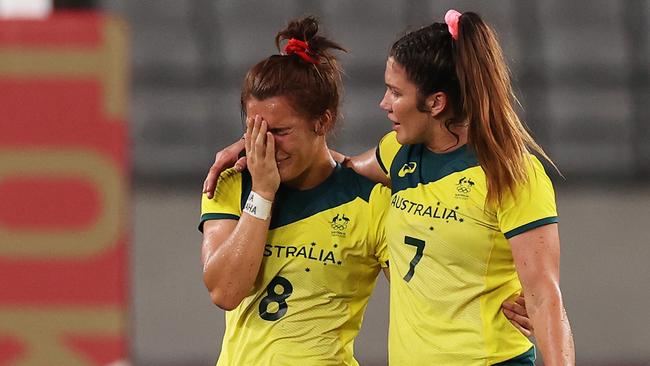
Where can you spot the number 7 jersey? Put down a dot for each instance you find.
(324, 249)
(451, 264)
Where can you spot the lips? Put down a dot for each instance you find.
(395, 123)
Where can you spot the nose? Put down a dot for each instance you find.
(384, 103)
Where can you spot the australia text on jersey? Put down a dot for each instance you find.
(420, 209)
(311, 252)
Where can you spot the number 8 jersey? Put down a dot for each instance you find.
(451, 264)
(324, 249)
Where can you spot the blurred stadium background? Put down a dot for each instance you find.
(169, 73)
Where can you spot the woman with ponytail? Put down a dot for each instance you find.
(471, 220)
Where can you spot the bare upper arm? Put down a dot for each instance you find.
(536, 254)
(366, 164)
(215, 232)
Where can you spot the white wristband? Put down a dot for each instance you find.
(258, 206)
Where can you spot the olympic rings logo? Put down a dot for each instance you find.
(340, 222)
(464, 185)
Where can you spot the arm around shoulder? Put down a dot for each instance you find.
(367, 165)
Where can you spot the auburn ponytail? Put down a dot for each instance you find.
(496, 134)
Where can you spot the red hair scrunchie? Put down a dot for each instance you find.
(300, 48)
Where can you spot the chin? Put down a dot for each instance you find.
(403, 139)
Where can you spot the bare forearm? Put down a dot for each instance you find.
(230, 270)
(366, 164)
(233, 256)
(552, 328)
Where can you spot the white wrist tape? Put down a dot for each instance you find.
(258, 206)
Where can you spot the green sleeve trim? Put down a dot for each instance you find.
(530, 226)
(381, 163)
(216, 216)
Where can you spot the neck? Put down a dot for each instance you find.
(442, 140)
(318, 171)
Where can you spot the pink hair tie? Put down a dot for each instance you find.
(451, 18)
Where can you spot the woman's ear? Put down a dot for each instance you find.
(436, 103)
(324, 124)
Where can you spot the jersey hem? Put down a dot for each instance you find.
(526, 358)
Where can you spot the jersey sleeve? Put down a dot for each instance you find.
(386, 151)
(379, 200)
(226, 202)
(532, 205)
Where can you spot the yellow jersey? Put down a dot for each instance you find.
(324, 249)
(451, 264)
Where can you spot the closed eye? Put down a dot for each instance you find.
(280, 131)
(394, 92)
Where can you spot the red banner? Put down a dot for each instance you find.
(64, 212)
